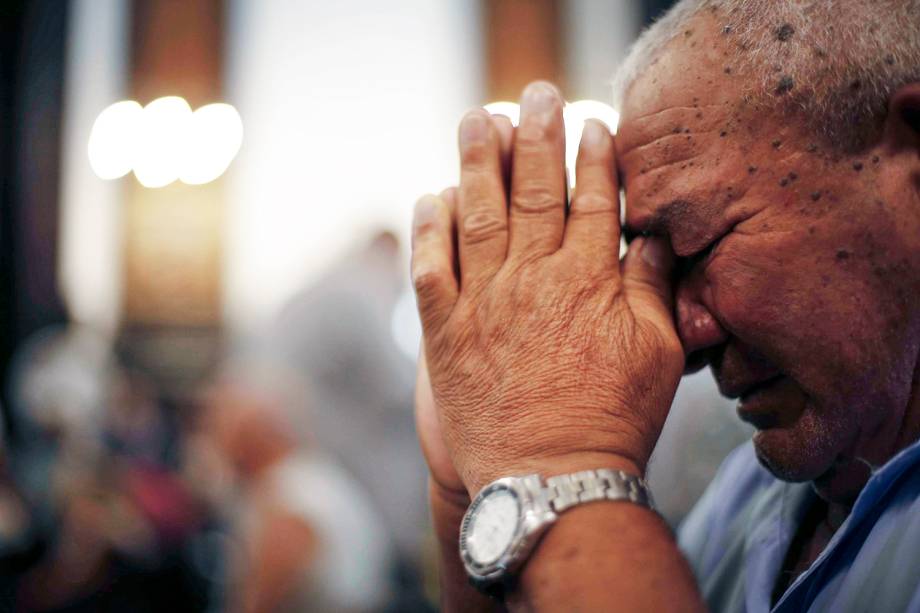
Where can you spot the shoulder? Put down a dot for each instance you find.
(874, 564)
(724, 506)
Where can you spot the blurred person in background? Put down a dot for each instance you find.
(112, 523)
(307, 536)
(336, 334)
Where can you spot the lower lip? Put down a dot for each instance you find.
(776, 404)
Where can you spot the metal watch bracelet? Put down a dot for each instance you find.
(564, 491)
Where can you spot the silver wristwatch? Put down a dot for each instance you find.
(508, 517)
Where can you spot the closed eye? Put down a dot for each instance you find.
(686, 264)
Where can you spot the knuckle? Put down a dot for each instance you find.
(536, 137)
(673, 356)
(428, 281)
(592, 203)
(672, 349)
(536, 198)
(663, 347)
(425, 278)
(476, 155)
(424, 227)
(449, 197)
(428, 215)
(480, 226)
(643, 284)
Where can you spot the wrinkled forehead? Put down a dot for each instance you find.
(677, 112)
(694, 69)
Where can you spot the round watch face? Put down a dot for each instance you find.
(492, 526)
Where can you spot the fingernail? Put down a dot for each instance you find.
(426, 211)
(654, 252)
(594, 134)
(474, 128)
(538, 98)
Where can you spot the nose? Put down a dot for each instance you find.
(698, 328)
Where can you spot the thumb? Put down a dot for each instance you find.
(646, 274)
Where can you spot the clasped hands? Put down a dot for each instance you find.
(543, 352)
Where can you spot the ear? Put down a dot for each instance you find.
(902, 125)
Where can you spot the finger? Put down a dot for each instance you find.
(593, 226)
(538, 178)
(433, 262)
(482, 218)
(506, 140)
(647, 284)
(449, 197)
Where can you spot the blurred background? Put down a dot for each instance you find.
(207, 339)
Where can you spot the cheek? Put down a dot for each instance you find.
(818, 316)
(750, 288)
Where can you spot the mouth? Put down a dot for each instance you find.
(743, 390)
(773, 403)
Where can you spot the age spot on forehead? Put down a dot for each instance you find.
(784, 32)
(785, 84)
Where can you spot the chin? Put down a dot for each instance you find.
(804, 451)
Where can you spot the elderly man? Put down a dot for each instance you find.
(770, 156)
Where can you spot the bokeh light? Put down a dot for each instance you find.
(214, 140)
(113, 139)
(164, 125)
(165, 141)
(575, 115)
(512, 110)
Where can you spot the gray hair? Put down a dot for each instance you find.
(837, 62)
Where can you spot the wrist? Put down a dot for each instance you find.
(549, 466)
(508, 518)
(447, 507)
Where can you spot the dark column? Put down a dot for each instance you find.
(32, 43)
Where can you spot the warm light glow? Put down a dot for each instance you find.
(165, 125)
(214, 140)
(575, 114)
(113, 138)
(512, 110)
(165, 141)
(592, 109)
